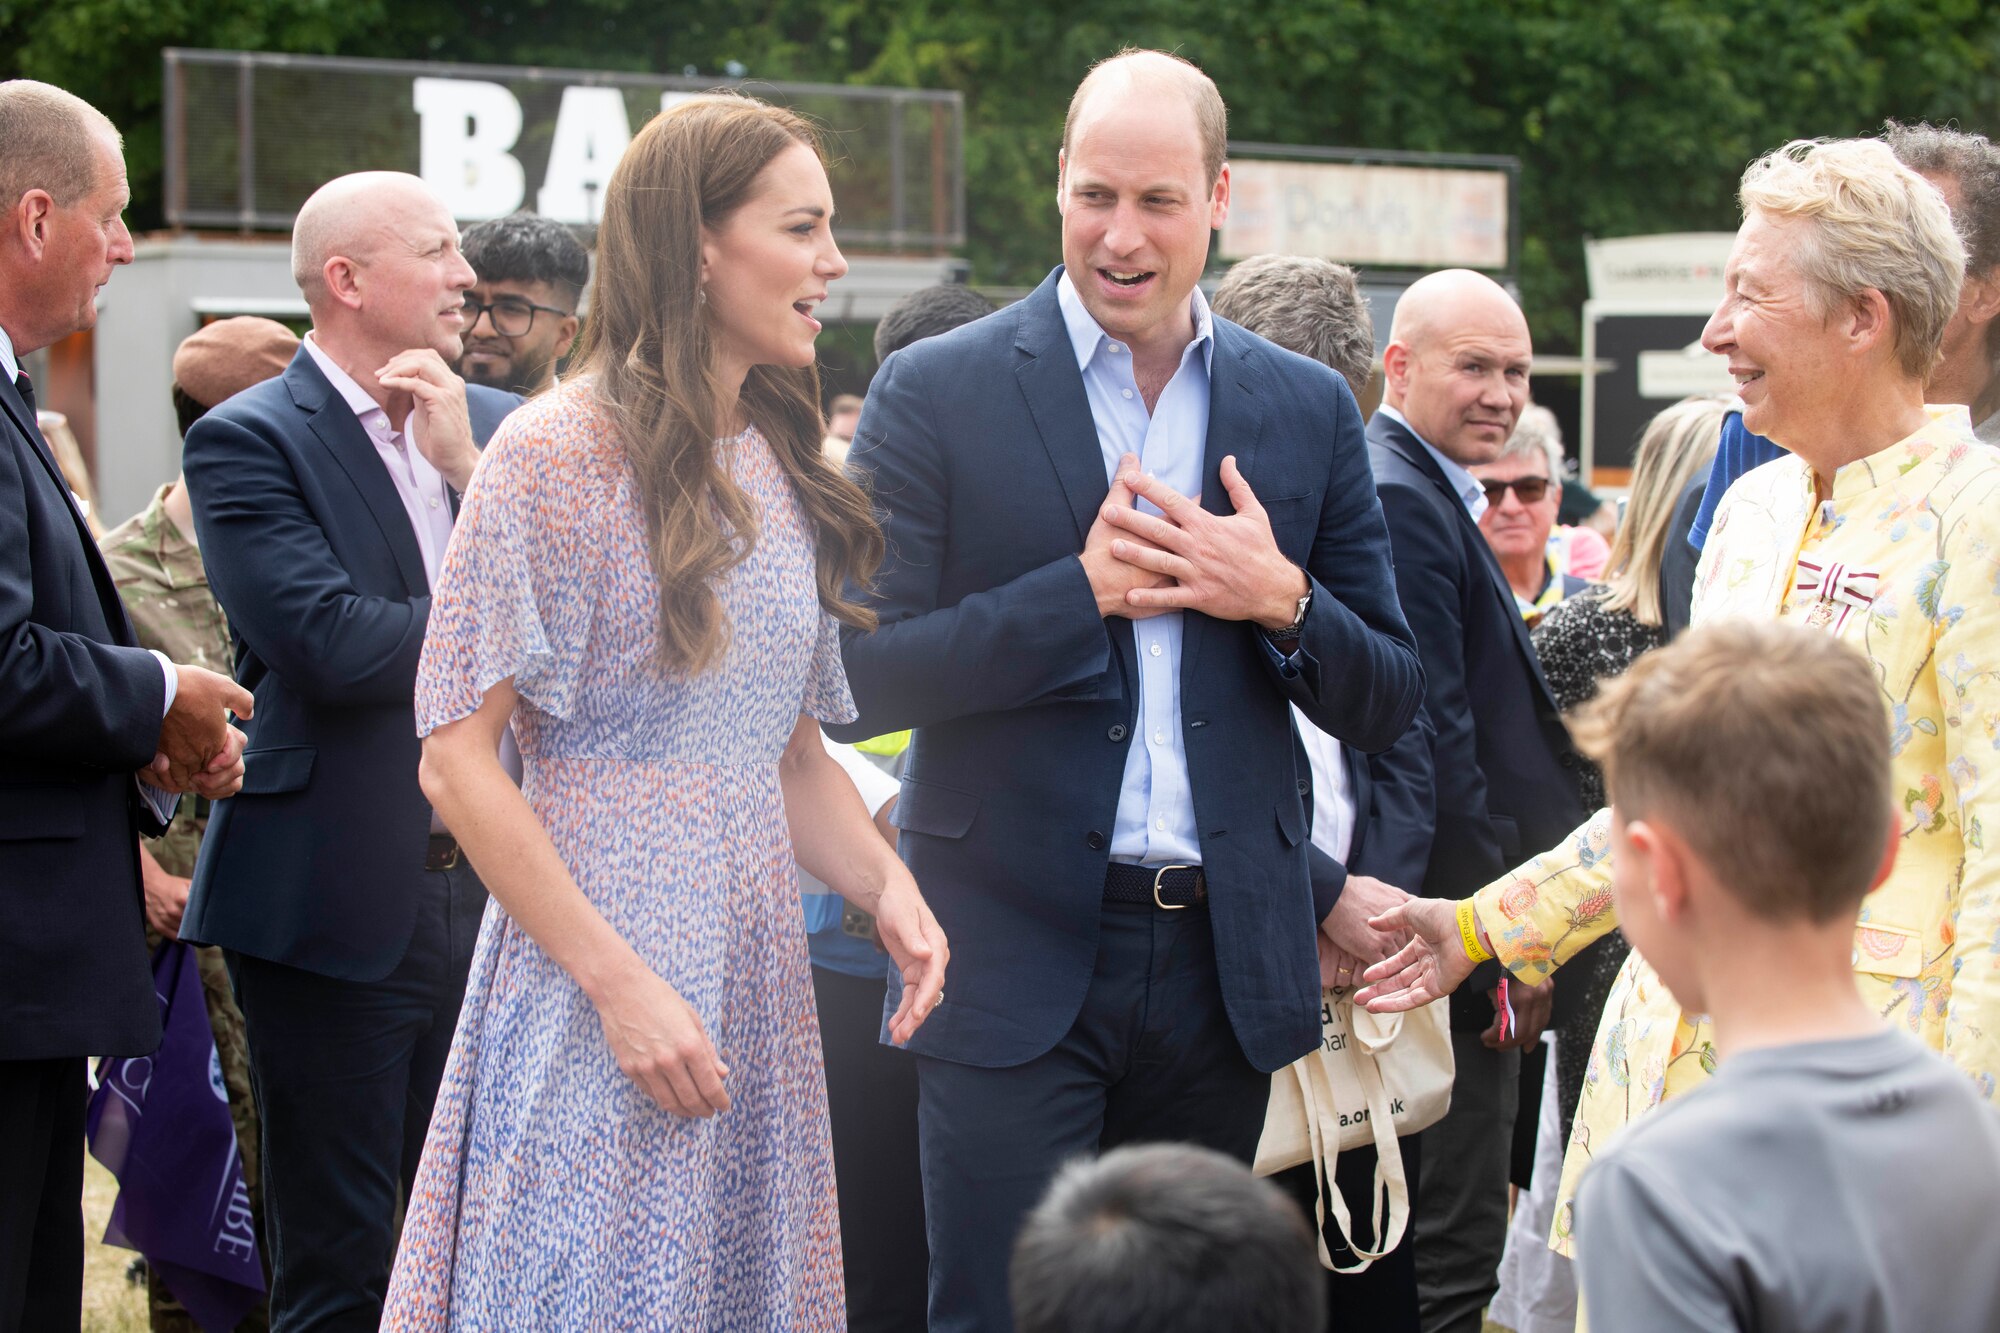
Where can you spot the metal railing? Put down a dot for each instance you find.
(249, 135)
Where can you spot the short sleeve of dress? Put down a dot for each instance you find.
(516, 592)
(827, 696)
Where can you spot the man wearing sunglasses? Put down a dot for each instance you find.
(1455, 376)
(520, 318)
(1523, 494)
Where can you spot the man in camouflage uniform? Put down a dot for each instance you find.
(154, 560)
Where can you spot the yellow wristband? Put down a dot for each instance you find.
(1468, 933)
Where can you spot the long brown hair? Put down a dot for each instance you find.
(1678, 444)
(650, 349)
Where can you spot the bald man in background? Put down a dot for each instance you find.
(1455, 381)
(324, 499)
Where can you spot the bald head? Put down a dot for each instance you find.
(1457, 363)
(353, 217)
(376, 255)
(1156, 74)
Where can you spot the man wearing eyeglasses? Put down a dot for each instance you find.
(1522, 497)
(1456, 381)
(520, 317)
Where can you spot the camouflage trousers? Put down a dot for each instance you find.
(233, 1051)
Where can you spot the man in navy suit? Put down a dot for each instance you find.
(97, 735)
(324, 499)
(1504, 773)
(1105, 797)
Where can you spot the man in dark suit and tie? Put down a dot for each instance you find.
(324, 499)
(1105, 796)
(1504, 773)
(97, 735)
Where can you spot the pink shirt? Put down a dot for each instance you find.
(425, 498)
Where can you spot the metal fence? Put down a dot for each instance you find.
(249, 136)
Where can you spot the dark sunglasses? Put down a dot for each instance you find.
(512, 317)
(1531, 490)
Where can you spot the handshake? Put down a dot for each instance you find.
(199, 751)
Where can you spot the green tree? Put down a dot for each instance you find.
(1630, 116)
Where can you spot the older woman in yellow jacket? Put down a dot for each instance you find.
(1881, 527)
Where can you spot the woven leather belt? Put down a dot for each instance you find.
(443, 853)
(1169, 888)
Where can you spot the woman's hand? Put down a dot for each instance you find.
(904, 924)
(661, 1045)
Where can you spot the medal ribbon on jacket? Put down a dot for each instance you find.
(1842, 591)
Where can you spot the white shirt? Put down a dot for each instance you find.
(1333, 802)
(1464, 483)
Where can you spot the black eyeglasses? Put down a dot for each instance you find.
(512, 317)
(1532, 490)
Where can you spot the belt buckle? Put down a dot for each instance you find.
(1164, 906)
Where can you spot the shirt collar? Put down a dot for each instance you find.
(353, 394)
(8, 361)
(1463, 483)
(1087, 336)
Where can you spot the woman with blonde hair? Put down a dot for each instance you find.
(1881, 527)
(648, 579)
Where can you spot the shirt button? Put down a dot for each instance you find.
(1159, 738)
(1160, 825)
(1094, 840)
(1126, 392)
(1156, 650)
(1116, 733)
(434, 503)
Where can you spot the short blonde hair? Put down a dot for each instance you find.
(1877, 225)
(1161, 69)
(48, 141)
(1706, 733)
(1679, 443)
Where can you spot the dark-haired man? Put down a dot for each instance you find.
(520, 317)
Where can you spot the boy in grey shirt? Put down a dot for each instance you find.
(1834, 1175)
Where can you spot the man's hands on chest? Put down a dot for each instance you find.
(1187, 559)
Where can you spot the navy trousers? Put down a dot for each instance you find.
(345, 1074)
(1151, 1057)
(41, 1195)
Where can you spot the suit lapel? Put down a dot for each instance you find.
(1235, 427)
(1393, 435)
(334, 422)
(107, 590)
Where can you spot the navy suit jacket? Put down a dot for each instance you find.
(1505, 773)
(982, 453)
(318, 861)
(80, 709)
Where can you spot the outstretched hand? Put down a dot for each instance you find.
(1432, 965)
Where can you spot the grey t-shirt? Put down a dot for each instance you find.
(1836, 1185)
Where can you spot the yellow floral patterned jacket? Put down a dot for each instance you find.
(1903, 562)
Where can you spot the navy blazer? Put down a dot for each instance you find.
(318, 861)
(1505, 773)
(80, 710)
(982, 452)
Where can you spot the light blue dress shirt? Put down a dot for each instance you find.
(1155, 820)
(1464, 483)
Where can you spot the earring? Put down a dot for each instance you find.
(701, 296)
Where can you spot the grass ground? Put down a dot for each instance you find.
(110, 1303)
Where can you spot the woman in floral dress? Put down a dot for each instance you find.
(1881, 526)
(647, 580)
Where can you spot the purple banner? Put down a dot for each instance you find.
(160, 1123)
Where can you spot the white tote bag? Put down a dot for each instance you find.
(1374, 1077)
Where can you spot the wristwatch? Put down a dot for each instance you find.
(1298, 625)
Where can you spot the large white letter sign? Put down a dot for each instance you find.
(591, 133)
(467, 131)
